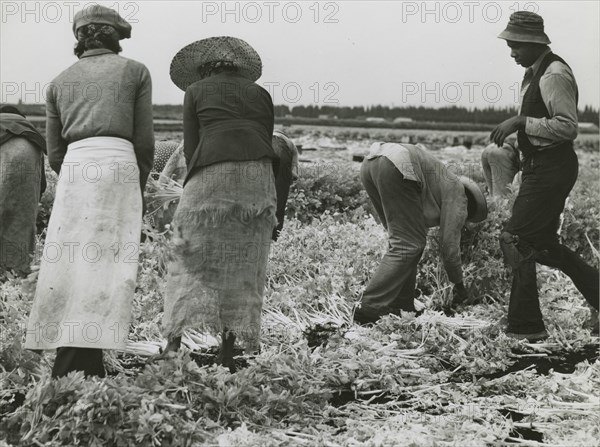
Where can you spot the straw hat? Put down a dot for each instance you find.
(186, 63)
(525, 26)
(477, 205)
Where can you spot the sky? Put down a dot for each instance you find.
(346, 53)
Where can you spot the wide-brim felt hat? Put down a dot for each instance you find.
(476, 199)
(185, 65)
(525, 26)
(103, 15)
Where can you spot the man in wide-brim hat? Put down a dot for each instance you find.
(411, 191)
(546, 127)
(229, 197)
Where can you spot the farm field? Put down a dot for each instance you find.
(449, 377)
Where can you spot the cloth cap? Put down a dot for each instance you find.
(525, 26)
(477, 204)
(103, 15)
(185, 65)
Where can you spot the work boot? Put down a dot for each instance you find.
(531, 338)
(225, 356)
(363, 316)
(592, 323)
(173, 345)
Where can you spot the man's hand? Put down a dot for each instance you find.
(506, 128)
(460, 294)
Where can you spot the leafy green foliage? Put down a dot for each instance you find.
(426, 380)
(333, 188)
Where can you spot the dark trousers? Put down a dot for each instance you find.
(547, 179)
(398, 204)
(69, 359)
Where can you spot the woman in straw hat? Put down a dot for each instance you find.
(101, 143)
(224, 221)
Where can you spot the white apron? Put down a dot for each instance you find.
(89, 264)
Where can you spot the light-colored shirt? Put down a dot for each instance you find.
(102, 94)
(559, 92)
(442, 195)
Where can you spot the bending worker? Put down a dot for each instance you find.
(286, 173)
(22, 182)
(500, 165)
(412, 190)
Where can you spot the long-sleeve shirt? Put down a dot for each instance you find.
(102, 94)
(226, 118)
(559, 93)
(14, 125)
(442, 193)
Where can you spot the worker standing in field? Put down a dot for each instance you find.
(411, 191)
(500, 164)
(88, 270)
(546, 127)
(224, 221)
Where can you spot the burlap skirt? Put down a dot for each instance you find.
(89, 264)
(222, 236)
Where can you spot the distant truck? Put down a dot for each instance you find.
(402, 119)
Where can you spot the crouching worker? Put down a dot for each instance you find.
(285, 168)
(500, 165)
(22, 182)
(412, 190)
(286, 173)
(163, 150)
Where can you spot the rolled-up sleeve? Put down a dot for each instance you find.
(143, 127)
(559, 93)
(55, 143)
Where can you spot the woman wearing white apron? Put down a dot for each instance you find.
(101, 143)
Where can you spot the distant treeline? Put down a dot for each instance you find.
(488, 115)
